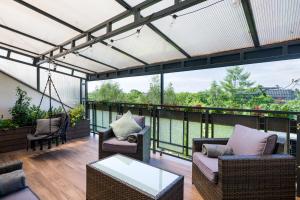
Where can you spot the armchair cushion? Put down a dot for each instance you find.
(208, 166)
(117, 146)
(125, 126)
(248, 141)
(11, 182)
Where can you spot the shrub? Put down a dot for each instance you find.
(76, 114)
(7, 123)
(20, 111)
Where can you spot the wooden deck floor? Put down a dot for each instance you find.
(59, 173)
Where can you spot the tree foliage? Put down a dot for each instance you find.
(236, 90)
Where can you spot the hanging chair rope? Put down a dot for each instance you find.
(49, 84)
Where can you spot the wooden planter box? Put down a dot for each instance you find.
(81, 129)
(14, 139)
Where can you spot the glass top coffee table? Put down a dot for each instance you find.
(121, 177)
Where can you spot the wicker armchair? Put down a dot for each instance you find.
(139, 150)
(246, 177)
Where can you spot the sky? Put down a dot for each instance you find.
(267, 74)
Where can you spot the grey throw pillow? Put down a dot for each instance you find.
(216, 150)
(12, 182)
(125, 126)
(43, 126)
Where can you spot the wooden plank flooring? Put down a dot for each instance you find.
(59, 173)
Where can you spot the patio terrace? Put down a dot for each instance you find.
(63, 175)
(73, 43)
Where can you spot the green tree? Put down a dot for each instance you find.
(170, 95)
(189, 99)
(108, 91)
(153, 95)
(235, 84)
(135, 96)
(216, 97)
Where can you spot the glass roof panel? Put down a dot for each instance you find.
(84, 63)
(3, 52)
(20, 41)
(82, 14)
(157, 7)
(79, 74)
(63, 69)
(276, 20)
(134, 2)
(109, 56)
(16, 49)
(147, 46)
(23, 19)
(24, 73)
(21, 58)
(217, 28)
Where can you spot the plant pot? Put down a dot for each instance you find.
(81, 129)
(14, 139)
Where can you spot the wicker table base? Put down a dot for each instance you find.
(101, 186)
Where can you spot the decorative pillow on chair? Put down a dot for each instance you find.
(249, 141)
(216, 150)
(43, 126)
(125, 126)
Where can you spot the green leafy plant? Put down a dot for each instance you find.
(20, 111)
(76, 114)
(7, 124)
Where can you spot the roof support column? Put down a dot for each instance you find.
(38, 78)
(162, 88)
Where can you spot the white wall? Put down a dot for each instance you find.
(8, 87)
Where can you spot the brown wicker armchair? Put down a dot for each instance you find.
(246, 177)
(108, 144)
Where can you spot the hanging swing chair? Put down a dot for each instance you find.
(52, 129)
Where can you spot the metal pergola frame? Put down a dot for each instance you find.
(138, 21)
(257, 54)
(268, 53)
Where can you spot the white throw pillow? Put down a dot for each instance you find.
(125, 126)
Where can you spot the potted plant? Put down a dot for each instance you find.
(79, 126)
(13, 131)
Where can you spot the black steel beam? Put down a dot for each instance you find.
(8, 57)
(268, 53)
(137, 23)
(157, 31)
(74, 28)
(250, 21)
(38, 78)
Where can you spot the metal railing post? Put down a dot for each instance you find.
(206, 123)
(153, 115)
(186, 121)
(298, 155)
